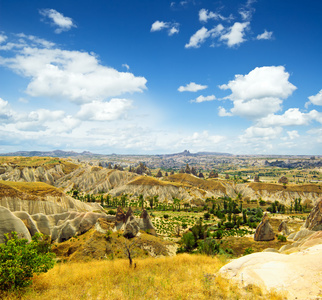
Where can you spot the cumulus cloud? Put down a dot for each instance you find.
(104, 111)
(58, 20)
(293, 134)
(235, 34)
(192, 87)
(6, 113)
(202, 34)
(172, 27)
(222, 112)
(266, 35)
(292, 117)
(260, 92)
(204, 16)
(72, 75)
(315, 99)
(266, 133)
(202, 98)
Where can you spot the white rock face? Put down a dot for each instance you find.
(298, 274)
(49, 205)
(9, 222)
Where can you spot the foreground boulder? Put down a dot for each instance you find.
(264, 230)
(298, 275)
(314, 220)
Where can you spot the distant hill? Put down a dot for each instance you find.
(187, 153)
(55, 153)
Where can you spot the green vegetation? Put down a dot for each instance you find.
(19, 260)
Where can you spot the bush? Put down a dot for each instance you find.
(206, 216)
(19, 260)
(111, 212)
(248, 250)
(281, 238)
(166, 216)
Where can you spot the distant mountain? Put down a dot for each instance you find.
(55, 153)
(187, 153)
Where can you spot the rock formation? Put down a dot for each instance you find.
(131, 228)
(283, 180)
(283, 228)
(213, 174)
(187, 169)
(159, 174)
(256, 178)
(264, 230)
(9, 222)
(314, 220)
(120, 218)
(146, 224)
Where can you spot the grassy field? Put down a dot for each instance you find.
(181, 277)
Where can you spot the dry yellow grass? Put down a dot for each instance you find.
(270, 187)
(190, 180)
(147, 180)
(30, 190)
(35, 162)
(181, 277)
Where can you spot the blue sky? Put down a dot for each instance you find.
(153, 77)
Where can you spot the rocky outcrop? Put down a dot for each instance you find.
(145, 223)
(59, 227)
(264, 230)
(120, 218)
(131, 228)
(297, 275)
(314, 220)
(10, 222)
(48, 205)
(283, 228)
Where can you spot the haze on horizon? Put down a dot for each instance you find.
(157, 77)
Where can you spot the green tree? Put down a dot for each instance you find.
(19, 260)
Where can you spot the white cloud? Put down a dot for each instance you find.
(315, 99)
(104, 111)
(266, 133)
(292, 117)
(222, 112)
(262, 82)
(160, 25)
(73, 75)
(126, 66)
(198, 38)
(260, 92)
(63, 23)
(202, 34)
(204, 16)
(266, 35)
(293, 134)
(173, 30)
(203, 99)
(2, 38)
(192, 87)
(6, 114)
(235, 34)
(246, 11)
(201, 140)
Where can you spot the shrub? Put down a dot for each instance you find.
(111, 212)
(166, 216)
(19, 260)
(248, 250)
(281, 238)
(206, 216)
